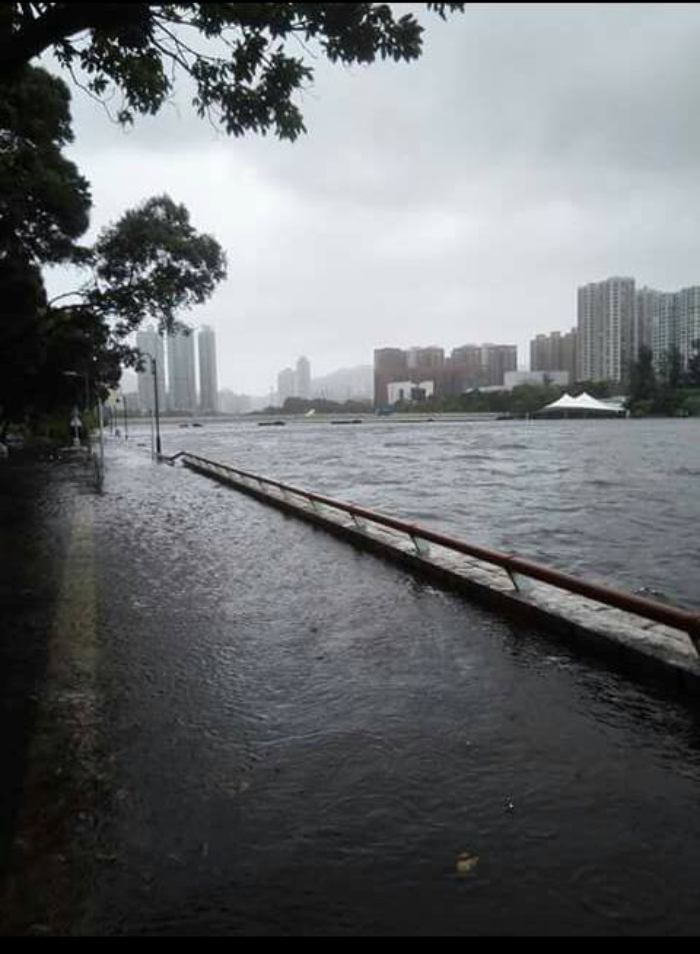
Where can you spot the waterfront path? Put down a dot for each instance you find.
(231, 722)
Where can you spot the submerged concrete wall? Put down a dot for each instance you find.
(649, 647)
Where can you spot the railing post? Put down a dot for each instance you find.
(422, 546)
(694, 634)
(521, 584)
(525, 575)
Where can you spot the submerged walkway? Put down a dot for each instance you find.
(642, 634)
(281, 735)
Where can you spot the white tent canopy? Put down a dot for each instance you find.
(583, 403)
(565, 403)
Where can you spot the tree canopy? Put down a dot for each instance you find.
(239, 55)
(20, 340)
(694, 364)
(152, 263)
(45, 352)
(662, 386)
(643, 382)
(44, 201)
(245, 61)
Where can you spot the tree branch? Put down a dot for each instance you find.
(65, 295)
(58, 24)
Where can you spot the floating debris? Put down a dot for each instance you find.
(466, 863)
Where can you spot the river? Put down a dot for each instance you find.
(616, 500)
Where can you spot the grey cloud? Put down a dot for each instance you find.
(463, 197)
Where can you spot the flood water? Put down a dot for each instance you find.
(612, 500)
(302, 739)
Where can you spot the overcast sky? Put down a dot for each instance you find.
(461, 198)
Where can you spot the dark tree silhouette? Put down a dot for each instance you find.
(694, 364)
(643, 383)
(152, 263)
(44, 201)
(239, 55)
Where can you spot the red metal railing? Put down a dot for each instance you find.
(684, 620)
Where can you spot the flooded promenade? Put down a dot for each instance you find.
(281, 735)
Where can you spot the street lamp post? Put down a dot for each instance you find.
(77, 374)
(126, 419)
(154, 369)
(100, 417)
(122, 400)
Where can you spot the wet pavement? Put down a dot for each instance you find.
(22, 647)
(276, 734)
(41, 795)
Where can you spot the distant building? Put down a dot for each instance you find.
(477, 366)
(390, 364)
(468, 367)
(182, 391)
(208, 377)
(688, 322)
(467, 364)
(425, 359)
(231, 403)
(149, 342)
(496, 362)
(615, 321)
(648, 304)
(295, 383)
(606, 330)
(555, 352)
(409, 391)
(303, 378)
(675, 321)
(286, 385)
(665, 324)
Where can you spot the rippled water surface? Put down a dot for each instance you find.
(616, 500)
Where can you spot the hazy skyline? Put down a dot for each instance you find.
(462, 198)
